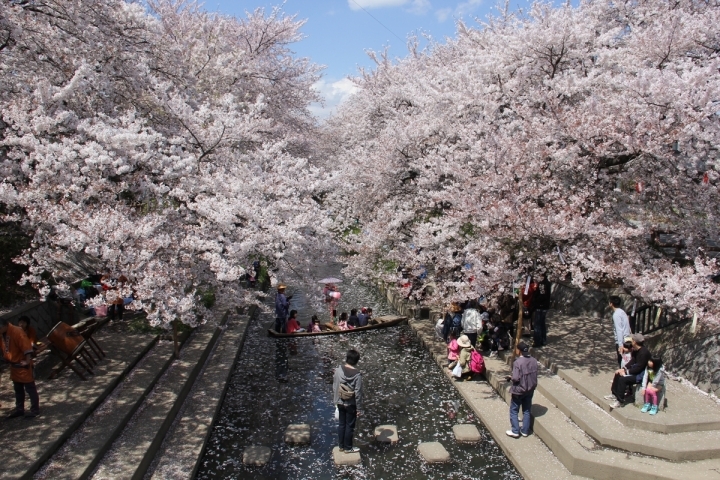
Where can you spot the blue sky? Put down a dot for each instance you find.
(338, 32)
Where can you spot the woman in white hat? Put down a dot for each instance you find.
(466, 349)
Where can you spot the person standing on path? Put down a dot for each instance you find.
(347, 397)
(471, 322)
(524, 381)
(282, 308)
(541, 305)
(17, 351)
(621, 325)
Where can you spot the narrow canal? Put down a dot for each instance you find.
(278, 382)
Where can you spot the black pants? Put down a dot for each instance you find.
(280, 324)
(472, 337)
(620, 386)
(346, 425)
(116, 309)
(31, 389)
(619, 357)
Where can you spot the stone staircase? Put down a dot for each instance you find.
(154, 401)
(594, 440)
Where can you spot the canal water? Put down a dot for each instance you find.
(278, 382)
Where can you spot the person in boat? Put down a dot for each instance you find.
(282, 307)
(362, 317)
(369, 316)
(293, 325)
(314, 326)
(353, 321)
(17, 351)
(342, 323)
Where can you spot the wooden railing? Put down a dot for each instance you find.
(650, 318)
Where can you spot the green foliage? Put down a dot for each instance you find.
(12, 243)
(388, 266)
(207, 297)
(468, 230)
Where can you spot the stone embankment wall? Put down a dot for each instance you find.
(44, 315)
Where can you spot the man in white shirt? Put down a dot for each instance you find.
(621, 324)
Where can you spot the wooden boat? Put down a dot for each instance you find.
(378, 322)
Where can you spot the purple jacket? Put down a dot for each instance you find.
(524, 375)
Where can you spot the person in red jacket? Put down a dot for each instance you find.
(293, 325)
(17, 351)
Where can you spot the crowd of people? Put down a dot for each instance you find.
(286, 319)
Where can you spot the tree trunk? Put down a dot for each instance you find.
(175, 339)
(518, 332)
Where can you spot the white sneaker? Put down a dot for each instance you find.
(609, 397)
(524, 434)
(512, 434)
(492, 354)
(615, 404)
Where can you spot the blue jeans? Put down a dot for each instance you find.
(540, 327)
(515, 403)
(347, 415)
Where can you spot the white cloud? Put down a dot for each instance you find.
(419, 7)
(358, 4)
(468, 7)
(334, 94)
(460, 10)
(443, 14)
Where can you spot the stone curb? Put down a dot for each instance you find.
(183, 449)
(144, 438)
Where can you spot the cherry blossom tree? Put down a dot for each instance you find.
(169, 144)
(565, 140)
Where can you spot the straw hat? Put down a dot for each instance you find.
(464, 341)
(281, 287)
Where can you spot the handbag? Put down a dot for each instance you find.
(345, 392)
(457, 371)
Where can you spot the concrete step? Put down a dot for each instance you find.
(65, 403)
(607, 431)
(82, 452)
(580, 350)
(581, 455)
(676, 418)
(132, 453)
(184, 445)
(530, 456)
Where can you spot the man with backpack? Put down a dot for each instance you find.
(524, 381)
(347, 397)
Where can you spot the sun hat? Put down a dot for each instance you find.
(464, 341)
(281, 286)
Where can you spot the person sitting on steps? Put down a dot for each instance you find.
(653, 382)
(463, 358)
(626, 378)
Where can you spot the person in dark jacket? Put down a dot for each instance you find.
(282, 308)
(626, 378)
(524, 381)
(348, 404)
(353, 321)
(541, 305)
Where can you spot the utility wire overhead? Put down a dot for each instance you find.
(373, 16)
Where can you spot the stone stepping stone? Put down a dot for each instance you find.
(433, 452)
(343, 459)
(386, 434)
(257, 455)
(466, 433)
(298, 434)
